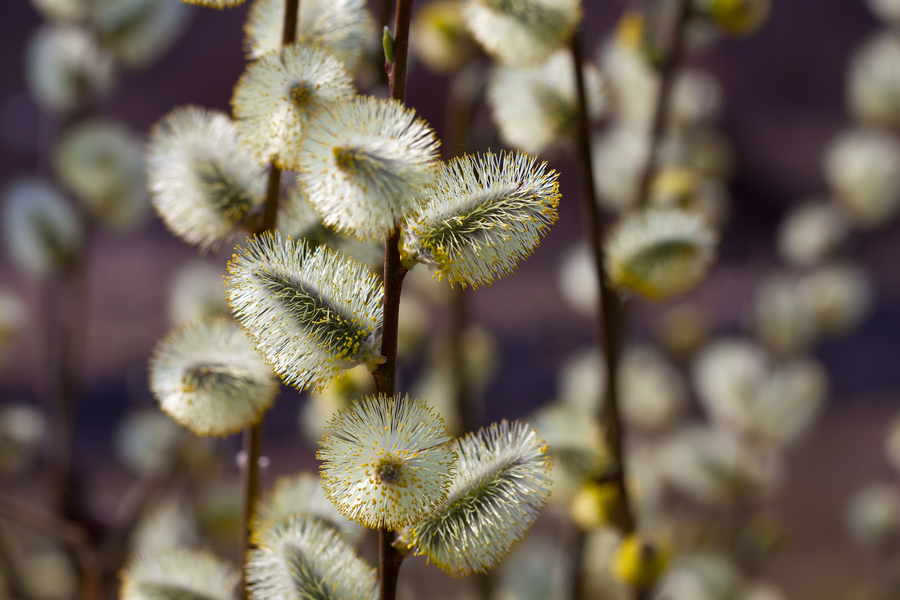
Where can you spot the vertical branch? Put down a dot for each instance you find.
(611, 309)
(253, 435)
(671, 48)
(389, 560)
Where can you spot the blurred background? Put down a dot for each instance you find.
(784, 102)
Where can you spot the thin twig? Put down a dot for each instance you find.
(671, 48)
(610, 304)
(253, 435)
(389, 560)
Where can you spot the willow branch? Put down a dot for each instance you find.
(671, 48)
(253, 435)
(389, 560)
(607, 327)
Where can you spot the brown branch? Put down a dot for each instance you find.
(671, 50)
(389, 560)
(611, 313)
(253, 435)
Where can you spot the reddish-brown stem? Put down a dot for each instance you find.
(389, 560)
(671, 48)
(611, 314)
(253, 435)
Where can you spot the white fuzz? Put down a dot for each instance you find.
(178, 573)
(280, 96)
(311, 312)
(365, 163)
(203, 183)
(304, 559)
(339, 27)
(535, 108)
(863, 168)
(41, 230)
(660, 252)
(301, 495)
(140, 31)
(209, 378)
(102, 162)
(387, 461)
(501, 482)
(482, 216)
(66, 69)
(522, 32)
(874, 81)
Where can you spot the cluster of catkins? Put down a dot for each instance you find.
(700, 487)
(344, 172)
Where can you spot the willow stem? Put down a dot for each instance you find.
(611, 312)
(389, 560)
(253, 435)
(671, 48)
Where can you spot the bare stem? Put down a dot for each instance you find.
(671, 48)
(610, 305)
(389, 560)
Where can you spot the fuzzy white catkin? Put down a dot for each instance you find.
(811, 232)
(101, 161)
(178, 571)
(280, 98)
(365, 165)
(312, 312)
(521, 32)
(386, 461)
(41, 229)
(300, 557)
(500, 484)
(660, 252)
(139, 32)
(535, 107)
(66, 69)
(209, 378)
(482, 215)
(863, 168)
(203, 182)
(339, 27)
(873, 83)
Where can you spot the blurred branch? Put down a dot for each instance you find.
(670, 46)
(611, 309)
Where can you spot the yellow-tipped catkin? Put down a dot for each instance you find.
(660, 252)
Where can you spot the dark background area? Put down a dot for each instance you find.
(784, 91)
